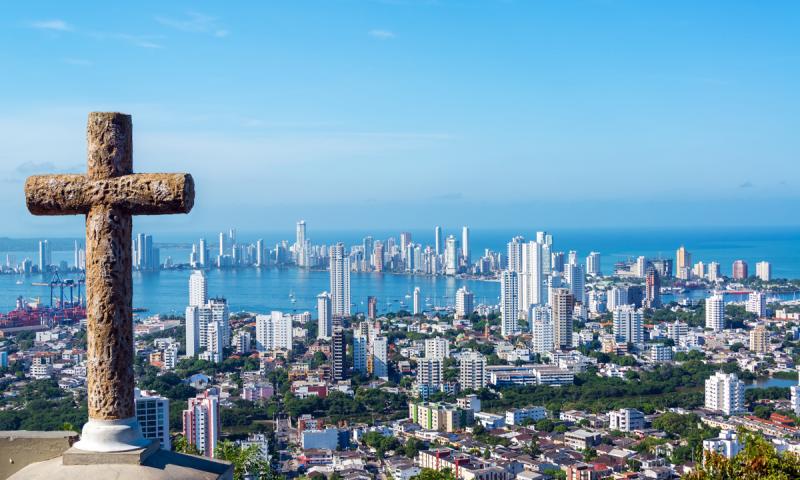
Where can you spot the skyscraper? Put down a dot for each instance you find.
(437, 347)
(683, 262)
(44, 256)
(405, 240)
(653, 288)
(576, 278)
(193, 329)
(380, 358)
(451, 256)
(372, 308)
(360, 347)
(203, 253)
(739, 270)
(324, 316)
(715, 312)
(757, 304)
(509, 303)
(338, 355)
(514, 251)
(764, 271)
(713, 271)
(201, 422)
(417, 304)
(615, 297)
(152, 413)
(439, 239)
(300, 234)
(593, 264)
(759, 339)
(465, 251)
(198, 289)
(259, 253)
(531, 276)
(340, 281)
(563, 305)
(628, 325)
(464, 302)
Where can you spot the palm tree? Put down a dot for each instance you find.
(248, 463)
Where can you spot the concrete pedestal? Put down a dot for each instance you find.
(142, 464)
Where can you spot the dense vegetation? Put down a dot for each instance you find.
(41, 405)
(757, 461)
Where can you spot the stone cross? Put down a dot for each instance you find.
(109, 195)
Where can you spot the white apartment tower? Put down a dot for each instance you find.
(324, 316)
(273, 332)
(472, 371)
(198, 289)
(152, 413)
(417, 306)
(540, 319)
(340, 281)
(451, 256)
(437, 347)
(465, 302)
(201, 422)
(725, 393)
(593, 264)
(531, 281)
(466, 254)
(764, 271)
(628, 325)
(757, 304)
(509, 303)
(380, 358)
(715, 312)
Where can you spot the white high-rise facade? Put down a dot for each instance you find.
(437, 232)
(451, 256)
(541, 322)
(214, 345)
(152, 413)
(757, 304)
(725, 393)
(340, 281)
(715, 312)
(192, 331)
(531, 276)
(430, 372)
(472, 371)
(563, 304)
(417, 301)
(509, 303)
(360, 348)
(324, 316)
(514, 251)
(764, 271)
(437, 347)
(465, 303)
(380, 357)
(273, 332)
(201, 422)
(593, 264)
(616, 297)
(575, 277)
(628, 325)
(198, 289)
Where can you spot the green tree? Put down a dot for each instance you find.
(247, 461)
(758, 460)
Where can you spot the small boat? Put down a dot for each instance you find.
(20, 282)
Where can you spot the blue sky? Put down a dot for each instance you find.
(403, 113)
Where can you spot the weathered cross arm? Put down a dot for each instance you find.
(140, 193)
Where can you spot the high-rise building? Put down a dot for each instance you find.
(372, 308)
(615, 297)
(466, 254)
(683, 262)
(795, 399)
(509, 303)
(198, 289)
(563, 305)
(451, 256)
(324, 316)
(439, 240)
(557, 262)
(713, 272)
(201, 422)
(472, 371)
(593, 264)
(764, 271)
(739, 270)
(652, 296)
(360, 348)
(203, 253)
(377, 256)
(340, 281)
(300, 233)
(514, 251)
(242, 342)
(430, 373)
(45, 259)
(193, 329)
(219, 313)
(725, 393)
(338, 355)
(572, 257)
(575, 277)
(757, 304)
(628, 325)
(759, 339)
(699, 270)
(531, 275)
(152, 413)
(437, 347)
(417, 302)
(273, 332)
(715, 312)
(464, 302)
(214, 345)
(541, 321)
(259, 253)
(380, 357)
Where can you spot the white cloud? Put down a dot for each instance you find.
(381, 34)
(195, 22)
(54, 25)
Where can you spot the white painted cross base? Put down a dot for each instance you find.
(111, 436)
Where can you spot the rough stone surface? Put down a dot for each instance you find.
(76, 456)
(109, 195)
(162, 465)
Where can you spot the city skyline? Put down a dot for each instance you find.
(642, 103)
